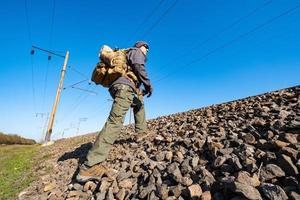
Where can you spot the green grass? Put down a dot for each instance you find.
(16, 162)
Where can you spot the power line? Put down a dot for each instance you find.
(33, 82)
(31, 58)
(27, 22)
(74, 107)
(49, 56)
(239, 20)
(105, 106)
(79, 82)
(52, 24)
(78, 72)
(79, 99)
(45, 81)
(159, 19)
(85, 90)
(34, 48)
(236, 39)
(50, 52)
(222, 31)
(147, 18)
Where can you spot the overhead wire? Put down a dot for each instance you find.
(52, 24)
(45, 82)
(81, 97)
(31, 58)
(239, 20)
(241, 36)
(33, 82)
(85, 90)
(27, 22)
(221, 31)
(77, 83)
(49, 56)
(159, 19)
(78, 72)
(146, 19)
(79, 101)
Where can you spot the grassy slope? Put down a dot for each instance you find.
(16, 162)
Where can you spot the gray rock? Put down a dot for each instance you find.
(246, 190)
(294, 195)
(144, 191)
(271, 171)
(220, 160)
(291, 138)
(273, 192)
(186, 181)
(163, 191)
(174, 171)
(160, 156)
(293, 153)
(176, 190)
(286, 163)
(195, 161)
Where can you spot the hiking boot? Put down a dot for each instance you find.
(90, 173)
(140, 136)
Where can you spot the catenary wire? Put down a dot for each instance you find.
(74, 107)
(27, 22)
(33, 82)
(78, 72)
(260, 26)
(45, 82)
(85, 90)
(148, 31)
(50, 46)
(79, 82)
(31, 57)
(137, 30)
(52, 24)
(239, 20)
(220, 32)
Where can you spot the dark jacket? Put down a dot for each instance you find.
(136, 60)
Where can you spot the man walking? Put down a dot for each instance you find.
(125, 94)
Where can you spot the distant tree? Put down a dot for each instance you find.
(14, 139)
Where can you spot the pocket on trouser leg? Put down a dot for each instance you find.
(123, 100)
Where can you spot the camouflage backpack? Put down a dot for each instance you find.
(112, 65)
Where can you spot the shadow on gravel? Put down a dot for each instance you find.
(124, 141)
(79, 153)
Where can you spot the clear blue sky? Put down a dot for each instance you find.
(201, 53)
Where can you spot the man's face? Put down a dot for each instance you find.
(144, 50)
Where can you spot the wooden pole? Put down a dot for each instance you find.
(56, 100)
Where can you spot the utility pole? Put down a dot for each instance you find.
(60, 85)
(45, 126)
(65, 129)
(79, 121)
(56, 100)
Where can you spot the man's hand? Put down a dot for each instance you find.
(148, 91)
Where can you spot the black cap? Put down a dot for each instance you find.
(139, 44)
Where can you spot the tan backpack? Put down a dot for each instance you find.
(112, 65)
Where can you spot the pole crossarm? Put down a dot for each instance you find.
(48, 51)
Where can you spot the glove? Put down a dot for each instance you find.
(148, 91)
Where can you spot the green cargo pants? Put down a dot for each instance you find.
(124, 98)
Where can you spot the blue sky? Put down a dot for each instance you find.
(201, 53)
